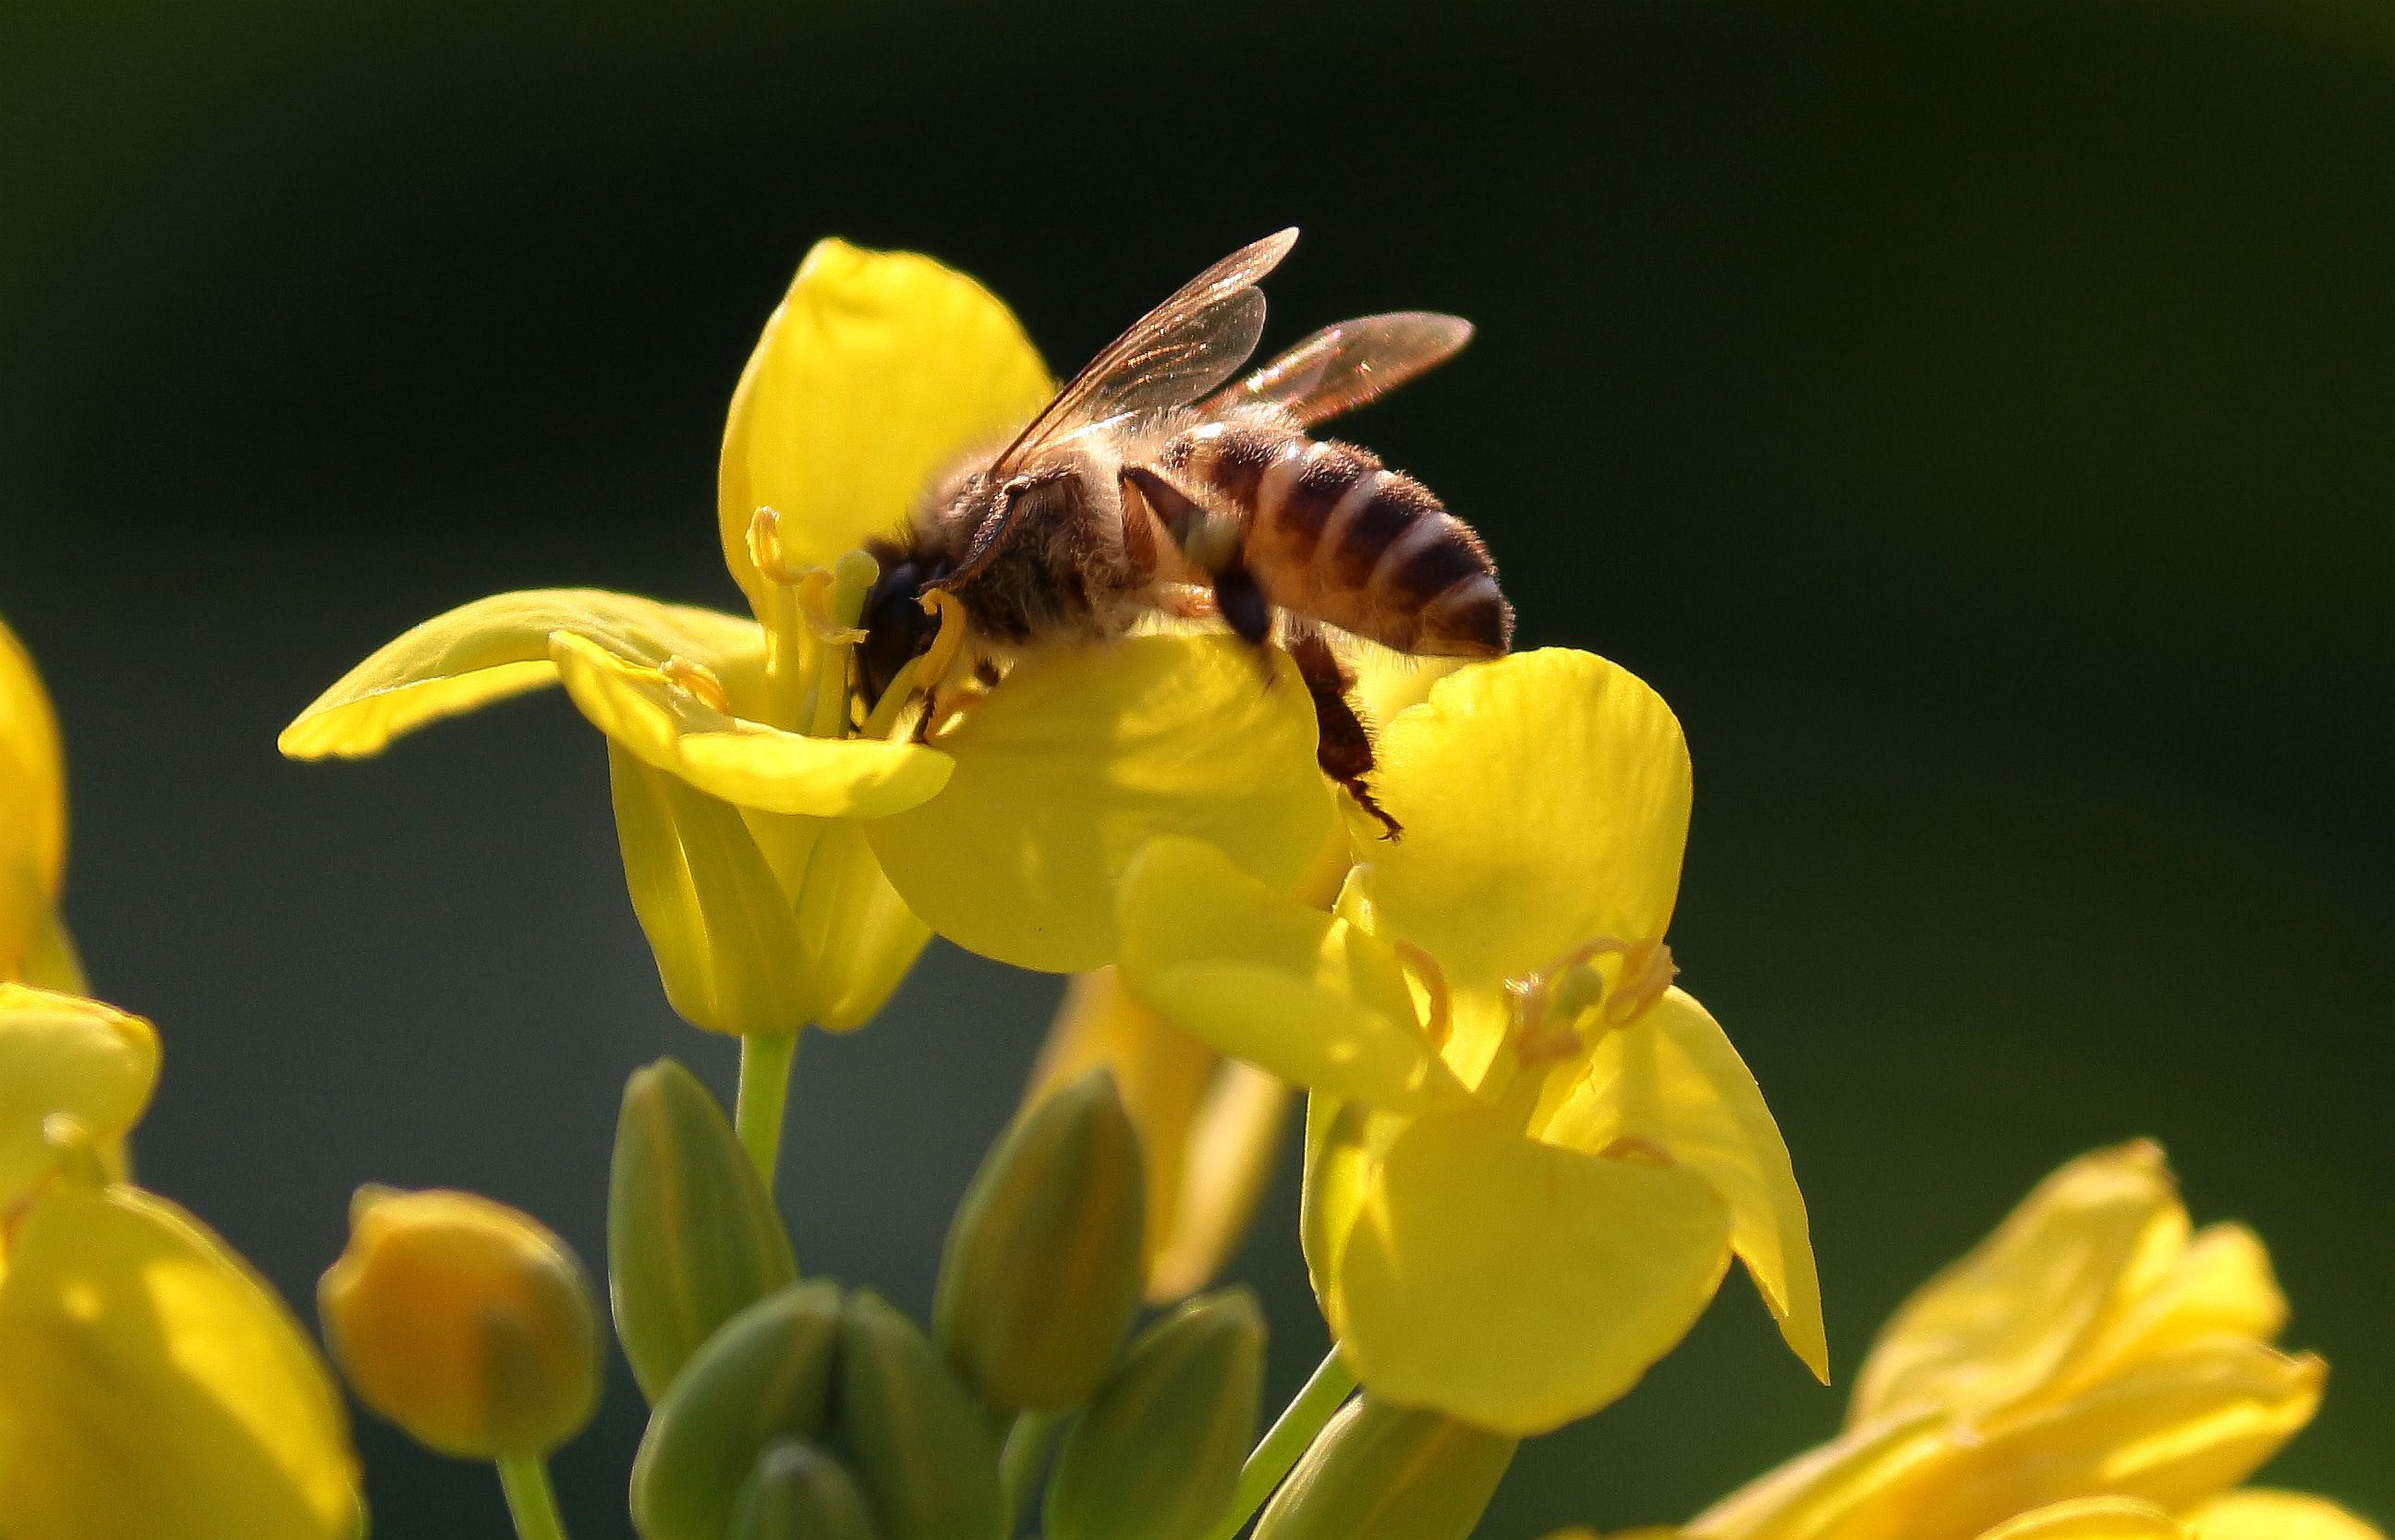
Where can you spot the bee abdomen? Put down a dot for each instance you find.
(1334, 533)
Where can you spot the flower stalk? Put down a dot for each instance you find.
(1293, 1432)
(532, 1498)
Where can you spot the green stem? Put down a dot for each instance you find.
(531, 1501)
(1323, 1395)
(765, 1061)
(1027, 1451)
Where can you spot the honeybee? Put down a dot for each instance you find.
(1149, 484)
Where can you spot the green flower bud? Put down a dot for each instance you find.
(692, 1237)
(765, 1376)
(465, 1321)
(923, 1450)
(796, 1492)
(1157, 1453)
(1041, 1275)
(1392, 1473)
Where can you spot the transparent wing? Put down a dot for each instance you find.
(1340, 368)
(1176, 352)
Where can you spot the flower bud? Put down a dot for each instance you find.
(64, 1055)
(765, 1376)
(1042, 1272)
(1390, 1472)
(796, 1492)
(1157, 1453)
(465, 1321)
(924, 1452)
(692, 1237)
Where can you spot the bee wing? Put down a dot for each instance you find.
(1175, 353)
(1340, 368)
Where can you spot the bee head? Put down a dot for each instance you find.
(896, 629)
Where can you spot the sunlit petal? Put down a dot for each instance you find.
(1304, 995)
(736, 760)
(876, 370)
(2091, 1519)
(62, 1054)
(2221, 1285)
(1515, 1284)
(499, 647)
(2170, 1431)
(726, 944)
(1081, 755)
(2259, 1513)
(32, 805)
(858, 933)
(1545, 804)
(1999, 1323)
(153, 1385)
(1674, 1079)
(1856, 1487)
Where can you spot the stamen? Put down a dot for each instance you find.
(820, 594)
(949, 639)
(766, 546)
(696, 679)
(1425, 970)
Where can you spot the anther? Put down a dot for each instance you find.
(1639, 1148)
(697, 680)
(948, 640)
(766, 546)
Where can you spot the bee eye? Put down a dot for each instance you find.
(895, 626)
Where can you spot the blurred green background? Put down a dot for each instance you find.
(1975, 417)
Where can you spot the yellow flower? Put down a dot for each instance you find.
(1209, 1126)
(34, 946)
(1528, 1158)
(466, 1322)
(737, 756)
(150, 1383)
(64, 1055)
(2096, 1370)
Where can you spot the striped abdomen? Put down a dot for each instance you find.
(1332, 533)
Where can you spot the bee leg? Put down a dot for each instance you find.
(1243, 605)
(1343, 744)
(1138, 526)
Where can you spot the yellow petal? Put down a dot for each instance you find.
(499, 647)
(732, 758)
(2001, 1323)
(1545, 803)
(32, 805)
(62, 1054)
(1672, 1078)
(1308, 996)
(876, 372)
(1079, 757)
(726, 944)
(1208, 1127)
(2259, 1513)
(1387, 682)
(1515, 1284)
(150, 1384)
(2172, 1430)
(859, 936)
(2221, 1285)
(2091, 1519)
(1859, 1486)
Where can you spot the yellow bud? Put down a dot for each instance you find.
(1041, 1275)
(1157, 1454)
(796, 1492)
(64, 1055)
(465, 1321)
(765, 1376)
(925, 1452)
(1392, 1473)
(693, 1236)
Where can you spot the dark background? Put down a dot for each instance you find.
(1974, 417)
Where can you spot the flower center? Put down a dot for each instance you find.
(1559, 1013)
(809, 618)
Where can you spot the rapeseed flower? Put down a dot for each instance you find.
(150, 1382)
(2096, 1369)
(1530, 1158)
(785, 853)
(33, 946)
